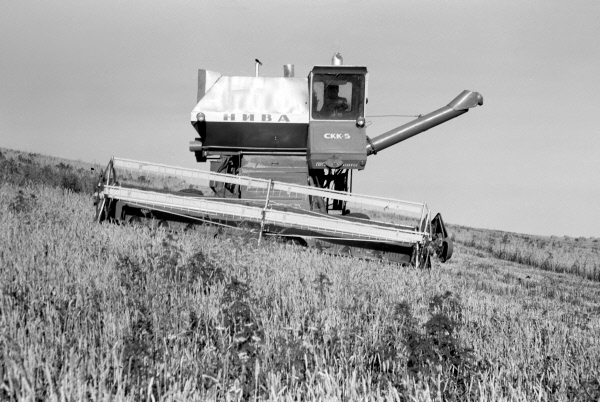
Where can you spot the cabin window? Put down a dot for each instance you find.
(338, 96)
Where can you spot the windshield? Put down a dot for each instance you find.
(338, 96)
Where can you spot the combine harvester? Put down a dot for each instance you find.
(282, 151)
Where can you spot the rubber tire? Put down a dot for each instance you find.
(447, 250)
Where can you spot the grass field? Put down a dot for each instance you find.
(107, 312)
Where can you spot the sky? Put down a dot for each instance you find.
(86, 80)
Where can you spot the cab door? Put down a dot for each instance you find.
(336, 133)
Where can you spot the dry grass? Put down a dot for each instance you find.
(106, 312)
(577, 256)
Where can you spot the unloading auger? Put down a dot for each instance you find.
(282, 152)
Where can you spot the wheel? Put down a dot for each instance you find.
(447, 249)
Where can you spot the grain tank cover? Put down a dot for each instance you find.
(253, 113)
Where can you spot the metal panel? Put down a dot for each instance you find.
(257, 96)
(287, 169)
(206, 79)
(339, 69)
(258, 136)
(336, 140)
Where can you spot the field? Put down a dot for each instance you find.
(107, 312)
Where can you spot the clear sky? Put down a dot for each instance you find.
(90, 79)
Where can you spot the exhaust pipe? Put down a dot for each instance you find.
(288, 70)
(337, 59)
(257, 63)
(459, 105)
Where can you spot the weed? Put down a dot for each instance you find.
(199, 268)
(69, 181)
(435, 349)
(322, 285)
(22, 203)
(25, 160)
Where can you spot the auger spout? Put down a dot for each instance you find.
(459, 105)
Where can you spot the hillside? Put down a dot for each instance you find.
(91, 311)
